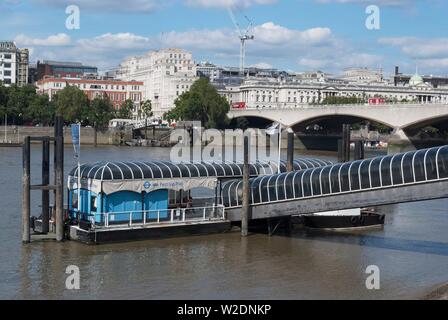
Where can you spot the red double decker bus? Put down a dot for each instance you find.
(239, 105)
(375, 101)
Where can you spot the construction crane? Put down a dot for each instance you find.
(243, 36)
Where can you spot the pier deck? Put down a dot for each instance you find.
(146, 232)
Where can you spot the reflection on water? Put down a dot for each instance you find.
(411, 252)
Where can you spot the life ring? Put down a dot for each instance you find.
(354, 220)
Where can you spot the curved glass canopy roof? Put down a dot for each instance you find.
(381, 172)
(110, 171)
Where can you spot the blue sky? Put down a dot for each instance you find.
(297, 35)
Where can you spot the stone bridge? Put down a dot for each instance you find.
(397, 116)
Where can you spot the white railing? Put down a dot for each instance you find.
(164, 216)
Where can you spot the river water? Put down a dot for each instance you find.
(411, 253)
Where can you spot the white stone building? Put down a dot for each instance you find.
(278, 93)
(363, 75)
(14, 64)
(166, 74)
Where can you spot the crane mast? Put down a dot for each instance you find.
(243, 36)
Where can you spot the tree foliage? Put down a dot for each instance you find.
(40, 110)
(125, 111)
(202, 103)
(342, 100)
(72, 104)
(101, 111)
(146, 109)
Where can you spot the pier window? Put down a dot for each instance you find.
(343, 175)
(364, 171)
(315, 182)
(375, 173)
(397, 173)
(431, 166)
(334, 178)
(442, 162)
(324, 181)
(354, 175)
(408, 171)
(306, 183)
(419, 165)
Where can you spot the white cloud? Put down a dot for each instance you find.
(262, 65)
(274, 45)
(375, 2)
(419, 48)
(60, 39)
(148, 6)
(117, 41)
(228, 3)
(137, 6)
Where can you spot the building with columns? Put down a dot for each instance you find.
(166, 75)
(287, 93)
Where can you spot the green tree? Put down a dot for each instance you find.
(342, 100)
(202, 103)
(101, 111)
(72, 104)
(146, 109)
(125, 111)
(19, 98)
(40, 110)
(3, 101)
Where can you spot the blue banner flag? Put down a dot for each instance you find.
(76, 139)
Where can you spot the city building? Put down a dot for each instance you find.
(231, 75)
(166, 75)
(14, 63)
(117, 91)
(60, 69)
(400, 79)
(363, 75)
(287, 93)
(32, 73)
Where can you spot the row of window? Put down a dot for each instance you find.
(97, 86)
(6, 56)
(381, 172)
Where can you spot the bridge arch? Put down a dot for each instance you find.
(255, 121)
(350, 118)
(433, 119)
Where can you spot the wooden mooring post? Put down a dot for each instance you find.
(45, 182)
(45, 187)
(290, 152)
(26, 209)
(344, 144)
(59, 177)
(359, 150)
(246, 191)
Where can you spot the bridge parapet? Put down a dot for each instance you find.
(394, 115)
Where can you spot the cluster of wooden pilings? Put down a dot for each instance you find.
(246, 186)
(45, 187)
(344, 153)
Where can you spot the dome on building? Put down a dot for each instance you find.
(416, 79)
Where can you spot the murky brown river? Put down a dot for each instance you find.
(411, 252)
